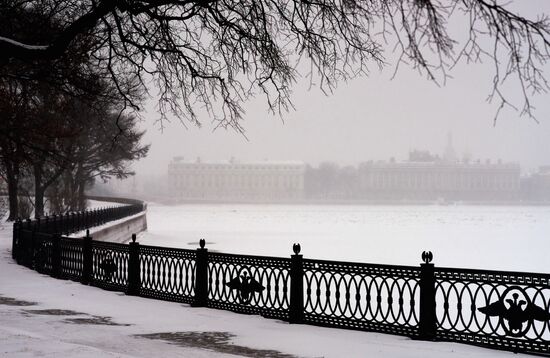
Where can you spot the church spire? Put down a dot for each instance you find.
(449, 155)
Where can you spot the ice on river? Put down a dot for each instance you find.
(490, 237)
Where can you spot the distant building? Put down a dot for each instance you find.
(536, 187)
(449, 155)
(439, 180)
(236, 181)
(428, 177)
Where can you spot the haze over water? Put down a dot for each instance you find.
(485, 237)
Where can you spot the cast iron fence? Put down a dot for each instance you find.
(380, 298)
(247, 284)
(501, 310)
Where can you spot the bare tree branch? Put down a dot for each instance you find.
(213, 55)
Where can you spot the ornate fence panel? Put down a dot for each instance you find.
(72, 222)
(498, 309)
(378, 298)
(43, 253)
(71, 258)
(110, 265)
(167, 274)
(249, 284)
(503, 310)
(24, 247)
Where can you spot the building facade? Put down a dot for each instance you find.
(436, 179)
(236, 181)
(536, 187)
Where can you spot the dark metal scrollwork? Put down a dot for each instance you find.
(245, 285)
(41, 257)
(516, 314)
(108, 266)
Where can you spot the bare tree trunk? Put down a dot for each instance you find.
(75, 190)
(81, 198)
(38, 190)
(69, 191)
(80, 182)
(41, 184)
(12, 177)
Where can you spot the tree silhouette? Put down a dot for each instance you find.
(96, 154)
(50, 108)
(215, 54)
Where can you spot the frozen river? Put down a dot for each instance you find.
(491, 237)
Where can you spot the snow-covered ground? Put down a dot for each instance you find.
(489, 237)
(45, 317)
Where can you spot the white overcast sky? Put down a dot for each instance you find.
(371, 118)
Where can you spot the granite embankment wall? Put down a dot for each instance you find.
(120, 230)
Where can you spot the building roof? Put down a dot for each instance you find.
(181, 160)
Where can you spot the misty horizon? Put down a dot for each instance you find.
(368, 118)
(527, 165)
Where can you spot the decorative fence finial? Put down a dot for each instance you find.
(133, 237)
(296, 248)
(202, 243)
(427, 256)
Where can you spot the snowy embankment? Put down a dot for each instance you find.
(97, 204)
(42, 316)
(101, 232)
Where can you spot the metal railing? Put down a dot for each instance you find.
(496, 309)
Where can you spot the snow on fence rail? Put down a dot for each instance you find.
(496, 309)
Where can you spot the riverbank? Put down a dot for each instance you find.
(42, 316)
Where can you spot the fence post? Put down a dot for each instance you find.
(69, 223)
(134, 277)
(25, 249)
(87, 259)
(296, 309)
(73, 222)
(201, 276)
(428, 324)
(14, 240)
(62, 223)
(56, 255)
(30, 262)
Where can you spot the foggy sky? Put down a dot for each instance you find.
(371, 118)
